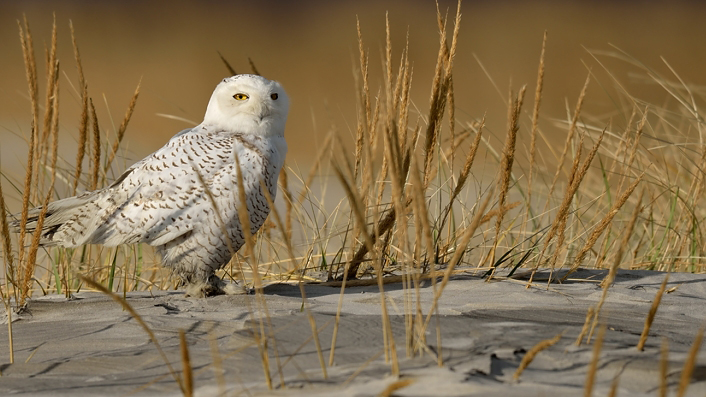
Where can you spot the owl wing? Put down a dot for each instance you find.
(164, 196)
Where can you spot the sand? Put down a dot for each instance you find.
(90, 346)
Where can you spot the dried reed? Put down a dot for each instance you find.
(31, 73)
(83, 121)
(290, 251)
(586, 322)
(186, 371)
(394, 386)
(614, 386)
(535, 128)
(559, 224)
(9, 266)
(593, 366)
(664, 367)
(96, 159)
(460, 250)
(123, 126)
(513, 116)
(598, 230)
(529, 356)
(364, 99)
(288, 199)
(252, 67)
(613, 271)
(52, 74)
(690, 363)
(358, 211)
(439, 95)
(227, 64)
(651, 315)
(424, 235)
(570, 135)
(244, 218)
(28, 276)
(463, 175)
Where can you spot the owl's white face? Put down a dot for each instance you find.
(248, 102)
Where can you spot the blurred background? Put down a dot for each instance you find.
(311, 48)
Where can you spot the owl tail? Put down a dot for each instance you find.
(74, 216)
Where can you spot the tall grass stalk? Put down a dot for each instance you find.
(593, 366)
(9, 265)
(651, 314)
(186, 370)
(514, 109)
(690, 363)
(83, 122)
(533, 132)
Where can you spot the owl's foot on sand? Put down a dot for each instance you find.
(214, 286)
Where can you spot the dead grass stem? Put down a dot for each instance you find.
(31, 73)
(600, 228)
(83, 121)
(186, 370)
(536, 349)
(96, 159)
(508, 157)
(570, 135)
(651, 315)
(123, 127)
(244, 218)
(9, 265)
(664, 367)
(535, 128)
(690, 363)
(593, 366)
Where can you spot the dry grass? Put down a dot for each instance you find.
(651, 315)
(397, 385)
(186, 371)
(8, 267)
(690, 363)
(529, 356)
(513, 116)
(83, 120)
(610, 277)
(123, 127)
(664, 368)
(593, 366)
(414, 207)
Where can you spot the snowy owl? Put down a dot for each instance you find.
(164, 199)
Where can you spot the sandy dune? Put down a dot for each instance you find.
(90, 346)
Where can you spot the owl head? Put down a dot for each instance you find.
(249, 104)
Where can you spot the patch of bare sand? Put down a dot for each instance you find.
(90, 346)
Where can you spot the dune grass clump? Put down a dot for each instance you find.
(389, 219)
(55, 269)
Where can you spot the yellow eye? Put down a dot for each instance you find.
(240, 97)
(274, 96)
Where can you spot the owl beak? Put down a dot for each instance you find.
(264, 112)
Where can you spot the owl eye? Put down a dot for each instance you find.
(274, 96)
(240, 97)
